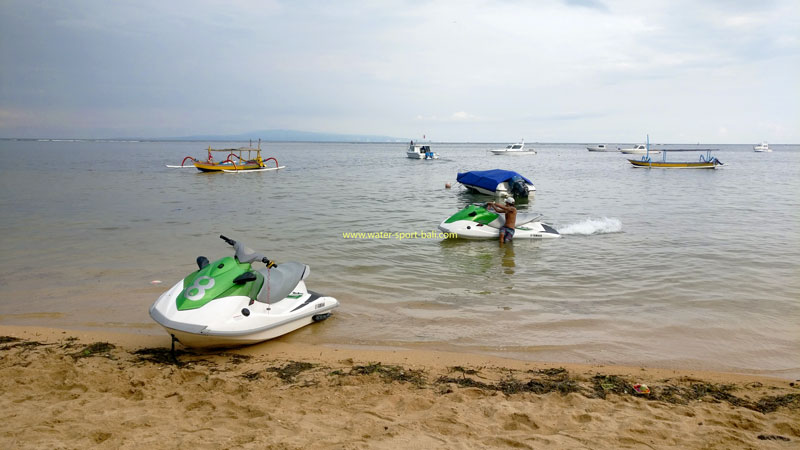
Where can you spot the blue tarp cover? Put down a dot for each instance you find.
(488, 179)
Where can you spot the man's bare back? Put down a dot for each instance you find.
(508, 210)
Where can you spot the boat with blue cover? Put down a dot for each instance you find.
(498, 182)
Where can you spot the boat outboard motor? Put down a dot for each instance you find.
(518, 188)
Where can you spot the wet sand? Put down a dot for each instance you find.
(75, 389)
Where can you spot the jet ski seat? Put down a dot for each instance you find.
(522, 219)
(246, 254)
(280, 281)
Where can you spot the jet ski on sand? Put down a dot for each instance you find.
(228, 303)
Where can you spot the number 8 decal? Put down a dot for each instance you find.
(199, 287)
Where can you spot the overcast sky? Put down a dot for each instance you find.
(715, 71)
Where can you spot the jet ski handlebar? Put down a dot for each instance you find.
(265, 260)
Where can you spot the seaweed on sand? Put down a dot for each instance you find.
(14, 342)
(161, 356)
(288, 372)
(772, 403)
(610, 384)
(251, 376)
(7, 339)
(554, 372)
(463, 370)
(95, 349)
(236, 358)
(696, 391)
(70, 342)
(467, 383)
(387, 372)
(554, 380)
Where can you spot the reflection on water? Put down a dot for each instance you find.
(508, 258)
(472, 256)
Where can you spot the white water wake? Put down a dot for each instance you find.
(593, 226)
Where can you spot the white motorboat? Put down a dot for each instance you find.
(421, 151)
(600, 148)
(515, 149)
(228, 303)
(762, 147)
(640, 149)
(477, 222)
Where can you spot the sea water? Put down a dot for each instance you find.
(694, 269)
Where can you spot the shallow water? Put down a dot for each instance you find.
(676, 268)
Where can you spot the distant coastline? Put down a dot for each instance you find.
(308, 136)
(264, 135)
(343, 139)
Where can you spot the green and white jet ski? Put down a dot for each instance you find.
(227, 303)
(477, 222)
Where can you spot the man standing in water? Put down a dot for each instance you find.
(507, 230)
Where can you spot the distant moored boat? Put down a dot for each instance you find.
(762, 147)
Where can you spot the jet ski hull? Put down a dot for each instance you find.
(238, 320)
(465, 229)
(476, 222)
(223, 341)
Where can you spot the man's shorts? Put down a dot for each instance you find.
(509, 233)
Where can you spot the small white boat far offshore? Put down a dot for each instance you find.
(515, 149)
(640, 149)
(762, 147)
(599, 148)
(421, 151)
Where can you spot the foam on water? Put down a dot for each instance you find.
(593, 226)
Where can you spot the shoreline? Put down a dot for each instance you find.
(67, 388)
(154, 335)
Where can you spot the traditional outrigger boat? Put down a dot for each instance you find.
(234, 161)
(705, 162)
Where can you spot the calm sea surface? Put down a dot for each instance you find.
(691, 269)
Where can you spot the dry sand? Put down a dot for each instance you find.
(71, 389)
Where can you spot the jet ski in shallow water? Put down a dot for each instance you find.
(477, 222)
(227, 303)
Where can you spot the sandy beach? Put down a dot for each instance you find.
(75, 389)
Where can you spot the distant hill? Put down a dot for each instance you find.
(289, 136)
